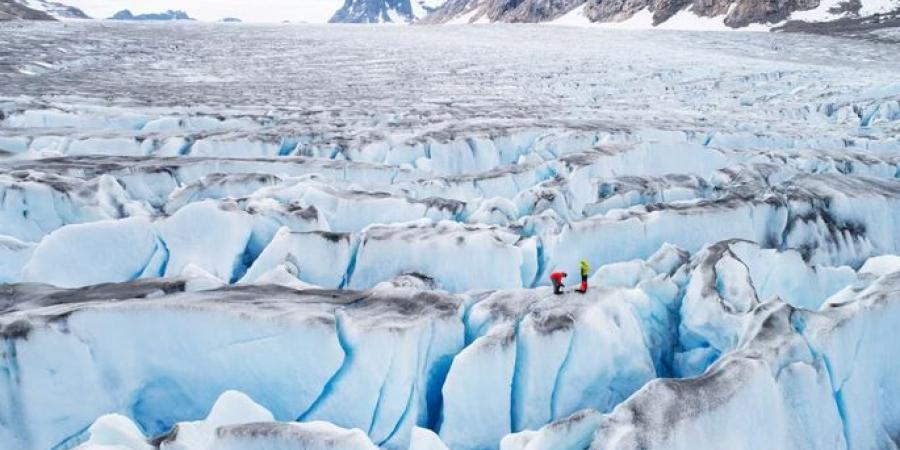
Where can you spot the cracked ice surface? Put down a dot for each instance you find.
(340, 237)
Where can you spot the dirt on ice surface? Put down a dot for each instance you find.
(342, 236)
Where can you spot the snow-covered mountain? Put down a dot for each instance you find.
(38, 10)
(485, 11)
(127, 15)
(384, 11)
(56, 9)
(715, 14)
(13, 10)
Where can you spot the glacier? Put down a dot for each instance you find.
(282, 237)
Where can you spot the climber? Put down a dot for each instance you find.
(557, 279)
(585, 271)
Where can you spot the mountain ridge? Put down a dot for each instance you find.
(385, 11)
(38, 10)
(730, 14)
(126, 14)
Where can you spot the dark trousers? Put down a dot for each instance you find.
(557, 287)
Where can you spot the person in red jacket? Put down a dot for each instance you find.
(557, 279)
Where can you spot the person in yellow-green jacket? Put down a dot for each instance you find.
(585, 271)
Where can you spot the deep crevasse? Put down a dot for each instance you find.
(611, 341)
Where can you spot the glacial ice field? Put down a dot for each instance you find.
(239, 237)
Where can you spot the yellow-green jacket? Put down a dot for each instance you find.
(585, 268)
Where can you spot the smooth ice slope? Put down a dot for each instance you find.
(93, 253)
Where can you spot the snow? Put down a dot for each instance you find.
(421, 8)
(466, 18)
(92, 253)
(319, 258)
(353, 251)
(218, 250)
(880, 265)
(870, 7)
(575, 17)
(115, 431)
(231, 408)
(418, 8)
(643, 20)
(822, 12)
(312, 435)
(425, 439)
(236, 422)
(394, 16)
(687, 20)
(818, 14)
(572, 432)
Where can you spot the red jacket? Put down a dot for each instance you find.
(557, 277)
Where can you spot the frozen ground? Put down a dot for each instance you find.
(344, 234)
